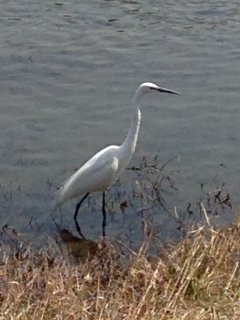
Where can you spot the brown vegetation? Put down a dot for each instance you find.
(196, 278)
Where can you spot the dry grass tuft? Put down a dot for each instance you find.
(196, 278)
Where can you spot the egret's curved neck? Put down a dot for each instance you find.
(129, 144)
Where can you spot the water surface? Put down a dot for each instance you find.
(68, 71)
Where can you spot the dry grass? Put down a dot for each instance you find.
(196, 278)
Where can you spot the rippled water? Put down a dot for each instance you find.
(68, 71)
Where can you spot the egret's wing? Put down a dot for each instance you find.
(96, 174)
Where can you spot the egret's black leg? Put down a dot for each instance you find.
(76, 213)
(104, 218)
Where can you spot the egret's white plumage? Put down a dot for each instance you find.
(95, 175)
(105, 167)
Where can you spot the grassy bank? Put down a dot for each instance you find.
(195, 278)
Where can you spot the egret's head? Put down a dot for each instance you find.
(150, 87)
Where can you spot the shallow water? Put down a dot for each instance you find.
(68, 72)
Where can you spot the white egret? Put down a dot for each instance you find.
(105, 167)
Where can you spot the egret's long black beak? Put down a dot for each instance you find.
(167, 90)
